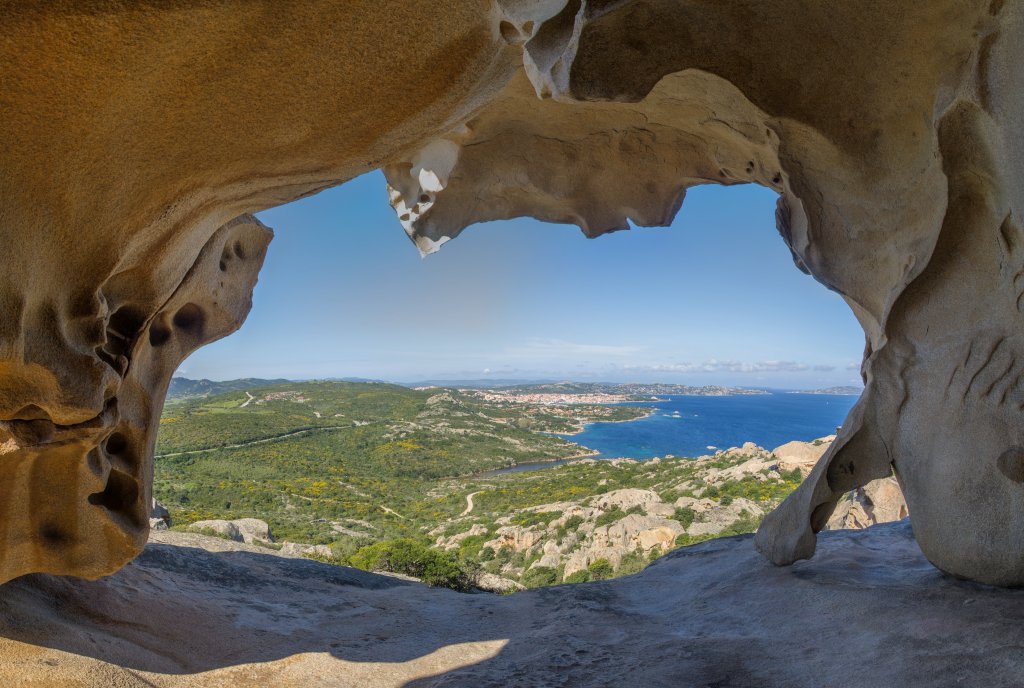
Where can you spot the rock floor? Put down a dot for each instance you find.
(868, 610)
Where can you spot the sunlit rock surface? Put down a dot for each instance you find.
(868, 610)
(133, 134)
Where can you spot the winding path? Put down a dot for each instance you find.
(391, 511)
(469, 503)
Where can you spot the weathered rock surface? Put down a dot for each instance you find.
(133, 134)
(247, 530)
(869, 609)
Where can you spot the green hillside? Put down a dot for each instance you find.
(398, 479)
(307, 456)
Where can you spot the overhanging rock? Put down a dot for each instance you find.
(132, 133)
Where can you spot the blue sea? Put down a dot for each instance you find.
(697, 426)
(694, 426)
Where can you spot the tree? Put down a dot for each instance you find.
(601, 569)
(578, 577)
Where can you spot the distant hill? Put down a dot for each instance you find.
(845, 390)
(634, 388)
(184, 388)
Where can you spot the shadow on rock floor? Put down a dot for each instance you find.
(868, 610)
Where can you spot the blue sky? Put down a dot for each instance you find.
(714, 299)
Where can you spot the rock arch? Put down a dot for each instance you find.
(133, 133)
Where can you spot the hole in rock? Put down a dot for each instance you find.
(117, 443)
(121, 494)
(446, 417)
(189, 318)
(122, 329)
(158, 334)
(509, 32)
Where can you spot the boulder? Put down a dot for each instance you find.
(802, 455)
(626, 499)
(516, 538)
(253, 529)
(550, 556)
(159, 517)
(647, 532)
(493, 583)
(880, 501)
(224, 529)
(247, 530)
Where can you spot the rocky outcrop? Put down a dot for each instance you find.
(297, 549)
(801, 455)
(516, 538)
(132, 135)
(627, 527)
(247, 530)
(159, 517)
(880, 501)
(210, 612)
(493, 583)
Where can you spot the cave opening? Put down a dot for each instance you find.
(526, 328)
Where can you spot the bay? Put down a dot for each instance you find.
(698, 425)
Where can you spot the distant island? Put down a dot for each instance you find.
(845, 390)
(632, 389)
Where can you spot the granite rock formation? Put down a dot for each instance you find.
(200, 611)
(132, 132)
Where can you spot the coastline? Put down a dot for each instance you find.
(582, 425)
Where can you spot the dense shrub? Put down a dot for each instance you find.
(578, 577)
(747, 523)
(415, 559)
(685, 515)
(611, 516)
(536, 518)
(539, 576)
(793, 476)
(601, 569)
(634, 562)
